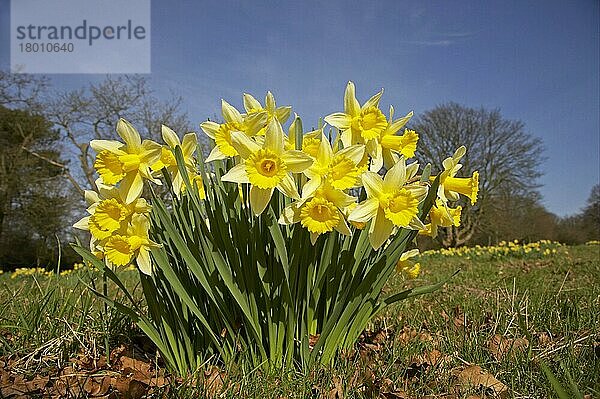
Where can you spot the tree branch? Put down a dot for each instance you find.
(59, 165)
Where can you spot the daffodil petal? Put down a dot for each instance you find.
(377, 162)
(274, 137)
(288, 187)
(250, 103)
(373, 183)
(189, 145)
(364, 211)
(339, 120)
(351, 104)
(215, 155)
(310, 187)
(389, 158)
(355, 153)
(131, 187)
(296, 161)
(83, 223)
(283, 114)
(107, 145)
(169, 136)
(373, 101)
(130, 136)
(416, 224)
(411, 170)
(346, 137)
(143, 261)
(448, 163)
(409, 254)
(399, 123)
(237, 174)
(150, 152)
(419, 192)
(91, 197)
(230, 114)
(270, 101)
(243, 144)
(290, 214)
(459, 153)
(255, 122)
(259, 199)
(395, 177)
(324, 153)
(342, 227)
(380, 230)
(177, 183)
(210, 128)
(339, 198)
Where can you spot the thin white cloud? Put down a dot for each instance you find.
(444, 39)
(443, 42)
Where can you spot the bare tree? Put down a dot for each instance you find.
(92, 113)
(23, 91)
(507, 158)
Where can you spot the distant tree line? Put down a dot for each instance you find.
(509, 161)
(46, 163)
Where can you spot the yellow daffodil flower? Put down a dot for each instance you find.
(339, 169)
(319, 210)
(266, 167)
(358, 124)
(121, 249)
(407, 267)
(467, 186)
(252, 106)
(108, 212)
(127, 164)
(390, 202)
(234, 122)
(441, 215)
(167, 159)
(391, 146)
(109, 215)
(450, 186)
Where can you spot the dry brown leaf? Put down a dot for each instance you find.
(214, 379)
(420, 363)
(395, 395)
(337, 392)
(408, 334)
(458, 319)
(475, 377)
(501, 346)
(93, 386)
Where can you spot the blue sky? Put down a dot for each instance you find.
(537, 61)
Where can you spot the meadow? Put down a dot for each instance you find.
(517, 321)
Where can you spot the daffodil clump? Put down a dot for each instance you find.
(279, 235)
(118, 218)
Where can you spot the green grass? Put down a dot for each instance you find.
(550, 300)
